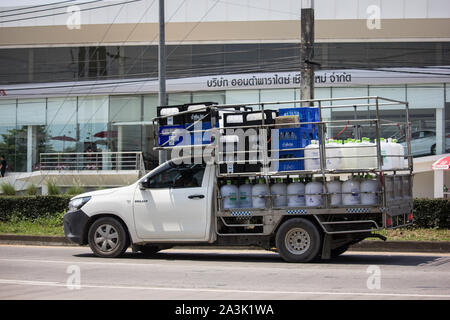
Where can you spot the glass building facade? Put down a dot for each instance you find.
(33, 125)
(31, 65)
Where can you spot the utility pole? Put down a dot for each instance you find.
(307, 51)
(162, 68)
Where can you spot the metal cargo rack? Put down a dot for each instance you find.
(394, 207)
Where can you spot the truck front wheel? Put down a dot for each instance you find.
(298, 240)
(107, 238)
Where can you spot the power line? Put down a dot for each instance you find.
(38, 6)
(111, 24)
(193, 28)
(47, 9)
(67, 96)
(61, 13)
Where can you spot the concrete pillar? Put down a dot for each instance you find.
(440, 130)
(31, 147)
(119, 146)
(438, 183)
(44, 188)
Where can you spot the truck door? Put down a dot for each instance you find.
(172, 203)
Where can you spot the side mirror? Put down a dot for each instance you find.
(142, 185)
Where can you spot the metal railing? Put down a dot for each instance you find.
(92, 161)
(367, 119)
(372, 120)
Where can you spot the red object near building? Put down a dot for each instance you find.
(441, 164)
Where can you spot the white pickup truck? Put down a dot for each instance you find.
(180, 203)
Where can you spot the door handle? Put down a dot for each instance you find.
(196, 196)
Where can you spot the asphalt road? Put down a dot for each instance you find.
(28, 272)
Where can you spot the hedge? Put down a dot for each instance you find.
(431, 213)
(31, 207)
(428, 213)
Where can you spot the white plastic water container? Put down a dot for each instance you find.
(333, 154)
(367, 154)
(394, 152)
(351, 192)
(279, 194)
(349, 153)
(313, 194)
(340, 144)
(369, 189)
(359, 163)
(229, 193)
(296, 194)
(334, 189)
(399, 151)
(344, 154)
(245, 195)
(312, 151)
(401, 155)
(259, 193)
(386, 153)
(353, 152)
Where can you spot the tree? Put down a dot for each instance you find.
(13, 145)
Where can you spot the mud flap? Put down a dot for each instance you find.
(326, 247)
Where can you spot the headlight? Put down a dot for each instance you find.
(76, 204)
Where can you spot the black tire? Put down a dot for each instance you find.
(433, 150)
(108, 238)
(298, 240)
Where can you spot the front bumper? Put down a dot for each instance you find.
(75, 223)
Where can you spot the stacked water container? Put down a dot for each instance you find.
(300, 137)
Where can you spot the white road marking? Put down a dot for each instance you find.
(271, 292)
(81, 262)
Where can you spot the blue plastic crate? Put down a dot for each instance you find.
(200, 137)
(305, 114)
(291, 138)
(290, 165)
(174, 134)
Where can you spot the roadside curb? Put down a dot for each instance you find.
(35, 240)
(366, 245)
(402, 246)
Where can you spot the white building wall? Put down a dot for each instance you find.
(146, 11)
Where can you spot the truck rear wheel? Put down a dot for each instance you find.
(107, 238)
(298, 240)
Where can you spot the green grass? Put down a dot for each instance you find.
(53, 189)
(75, 190)
(8, 189)
(42, 226)
(53, 226)
(31, 190)
(421, 234)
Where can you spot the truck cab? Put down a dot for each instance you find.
(172, 203)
